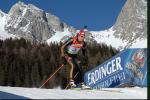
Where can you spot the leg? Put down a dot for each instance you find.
(78, 69)
(71, 69)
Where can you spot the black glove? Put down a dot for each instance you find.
(63, 59)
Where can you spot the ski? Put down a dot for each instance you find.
(119, 91)
(107, 90)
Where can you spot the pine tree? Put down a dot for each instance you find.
(2, 77)
(27, 64)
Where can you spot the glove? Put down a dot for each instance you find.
(67, 57)
(63, 59)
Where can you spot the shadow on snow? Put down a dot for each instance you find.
(5, 95)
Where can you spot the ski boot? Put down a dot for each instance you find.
(72, 84)
(83, 86)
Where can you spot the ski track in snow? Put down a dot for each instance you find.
(36, 93)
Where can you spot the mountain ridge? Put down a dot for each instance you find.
(34, 24)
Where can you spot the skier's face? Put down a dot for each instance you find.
(81, 38)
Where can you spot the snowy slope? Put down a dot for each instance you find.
(117, 36)
(4, 34)
(35, 93)
(106, 36)
(139, 43)
(59, 35)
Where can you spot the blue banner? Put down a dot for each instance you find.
(129, 66)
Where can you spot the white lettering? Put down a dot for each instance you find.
(105, 70)
(118, 63)
(89, 78)
(113, 65)
(92, 77)
(108, 68)
(96, 75)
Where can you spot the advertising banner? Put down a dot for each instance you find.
(129, 66)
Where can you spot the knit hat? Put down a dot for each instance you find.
(82, 31)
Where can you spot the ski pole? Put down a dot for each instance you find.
(51, 75)
(74, 77)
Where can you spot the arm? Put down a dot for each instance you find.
(69, 41)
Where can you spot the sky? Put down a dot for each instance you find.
(96, 14)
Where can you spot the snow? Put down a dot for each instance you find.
(24, 11)
(108, 38)
(25, 28)
(1, 14)
(2, 21)
(34, 7)
(58, 35)
(4, 34)
(16, 22)
(107, 93)
(144, 2)
(105, 36)
(139, 43)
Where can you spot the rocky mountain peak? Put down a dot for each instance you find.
(20, 8)
(131, 23)
(32, 23)
(132, 20)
